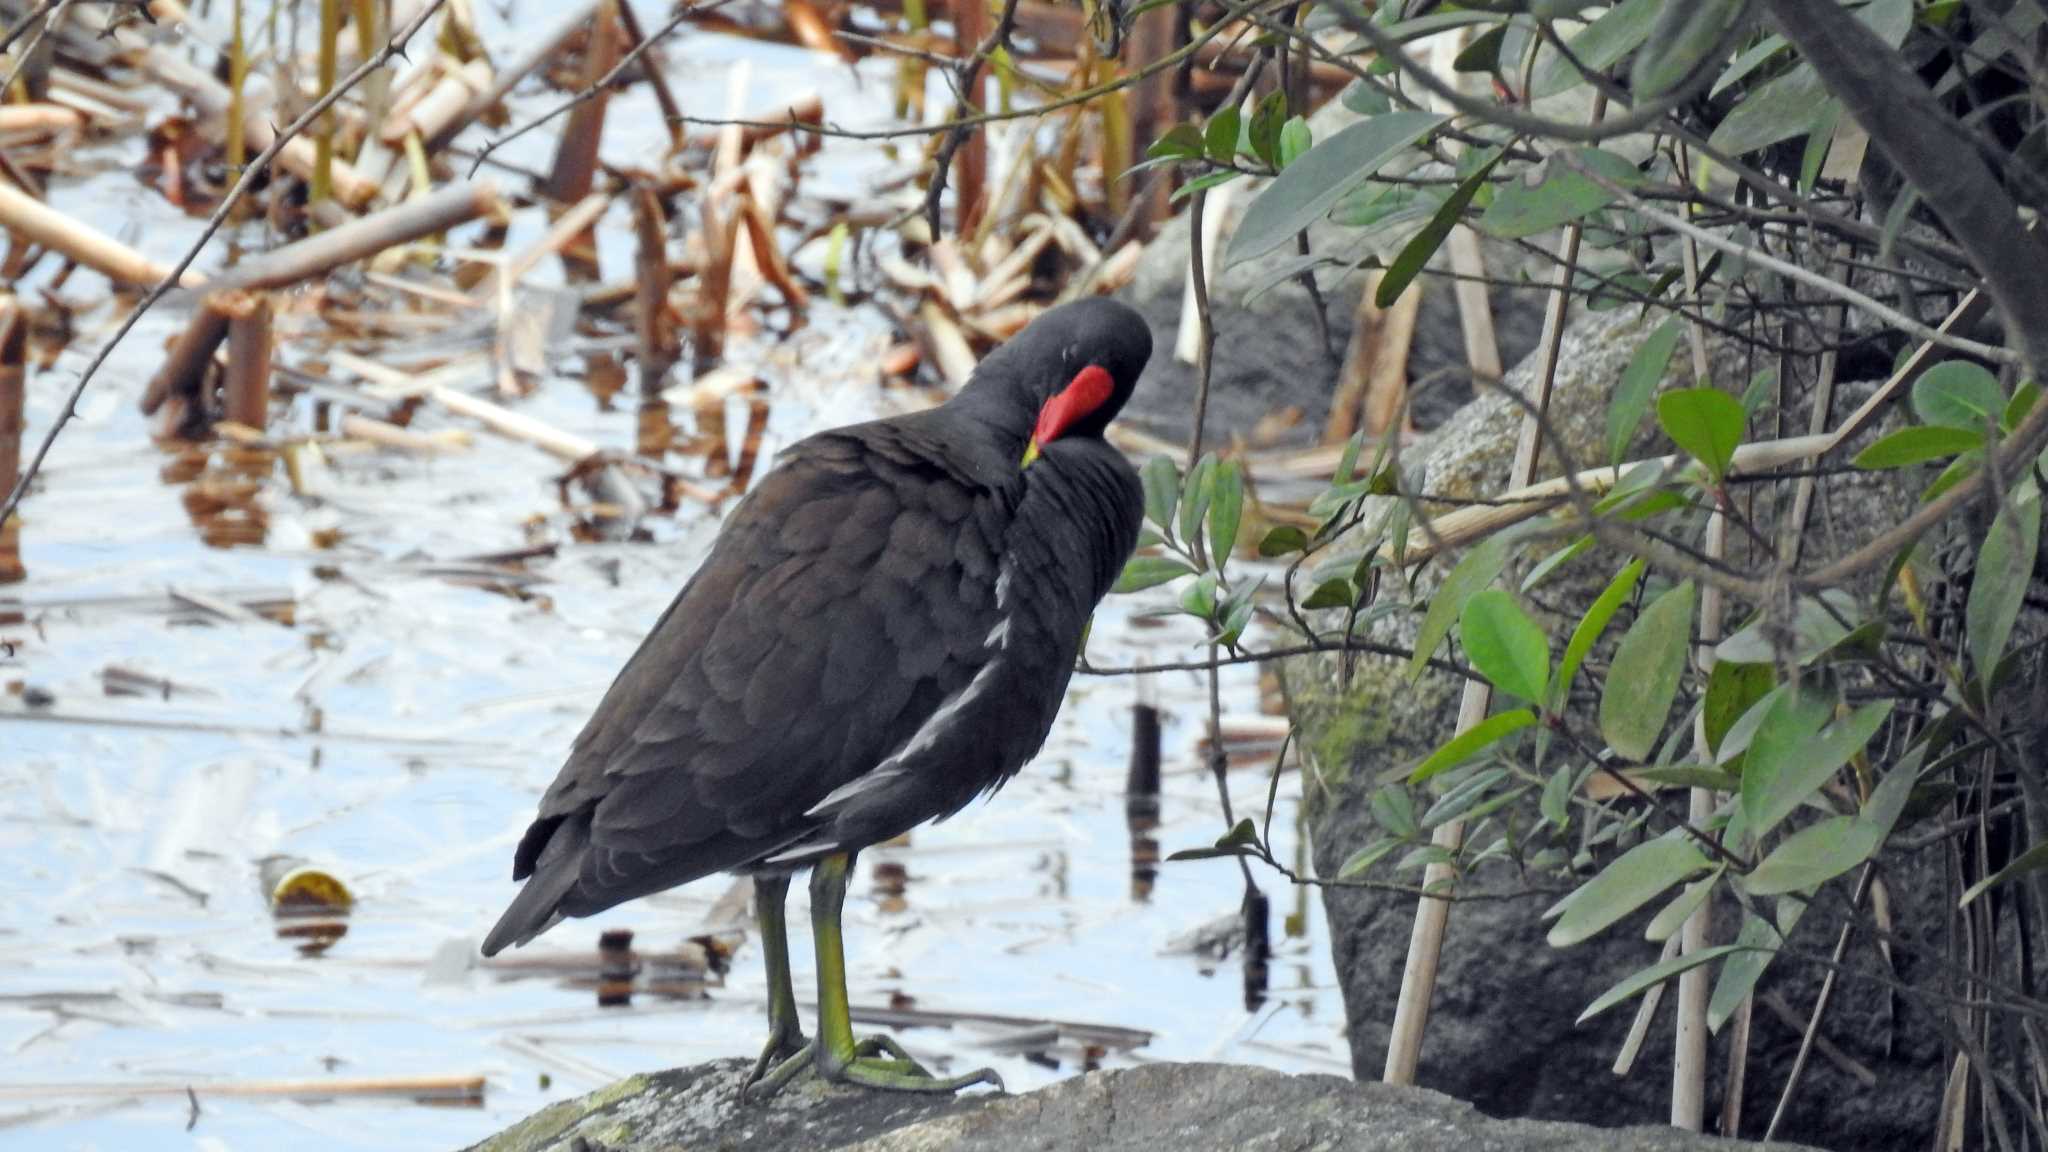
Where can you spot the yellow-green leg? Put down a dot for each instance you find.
(839, 1058)
(785, 1034)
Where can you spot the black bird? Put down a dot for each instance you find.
(884, 630)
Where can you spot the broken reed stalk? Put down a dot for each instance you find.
(1426, 940)
(32, 220)
(651, 289)
(654, 68)
(575, 168)
(182, 376)
(246, 385)
(1151, 108)
(970, 161)
(322, 185)
(366, 236)
(13, 404)
(1372, 386)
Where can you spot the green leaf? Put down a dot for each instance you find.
(1789, 757)
(1670, 918)
(1219, 137)
(1162, 491)
(1394, 810)
(1635, 878)
(1237, 615)
(1415, 254)
(1638, 388)
(1544, 568)
(1688, 776)
(1777, 110)
(1181, 142)
(2032, 860)
(1643, 679)
(1679, 42)
(2005, 567)
(1296, 140)
(1638, 983)
(1810, 857)
(1918, 445)
(1465, 797)
(1199, 599)
(1194, 497)
(1599, 45)
(1267, 121)
(1226, 506)
(1475, 570)
(1592, 625)
(1367, 856)
(1149, 572)
(1472, 741)
(1706, 422)
(1335, 593)
(1505, 645)
(1203, 183)
(1756, 944)
(1958, 394)
(1311, 183)
(1241, 840)
(1732, 689)
(1282, 540)
(1557, 796)
(2017, 408)
(1564, 194)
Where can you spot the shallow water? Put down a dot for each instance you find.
(399, 730)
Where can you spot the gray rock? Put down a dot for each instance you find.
(1501, 1029)
(1184, 1107)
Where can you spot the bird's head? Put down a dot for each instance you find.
(1068, 373)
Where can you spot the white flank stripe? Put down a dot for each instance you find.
(926, 736)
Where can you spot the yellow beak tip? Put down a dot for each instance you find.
(1030, 454)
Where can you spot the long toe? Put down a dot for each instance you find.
(899, 1073)
(763, 1083)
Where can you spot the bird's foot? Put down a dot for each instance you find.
(793, 1054)
(788, 1052)
(879, 1062)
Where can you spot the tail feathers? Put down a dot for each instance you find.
(537, 907)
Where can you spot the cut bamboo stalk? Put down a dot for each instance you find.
(546, 48)
(1468, 264)
(246, 385)
(1689, 1053)
(13, 405)
(375, 431)
(40, 118)
(440, 106)
(1425, 941)
(575, 170)
(30, 219)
